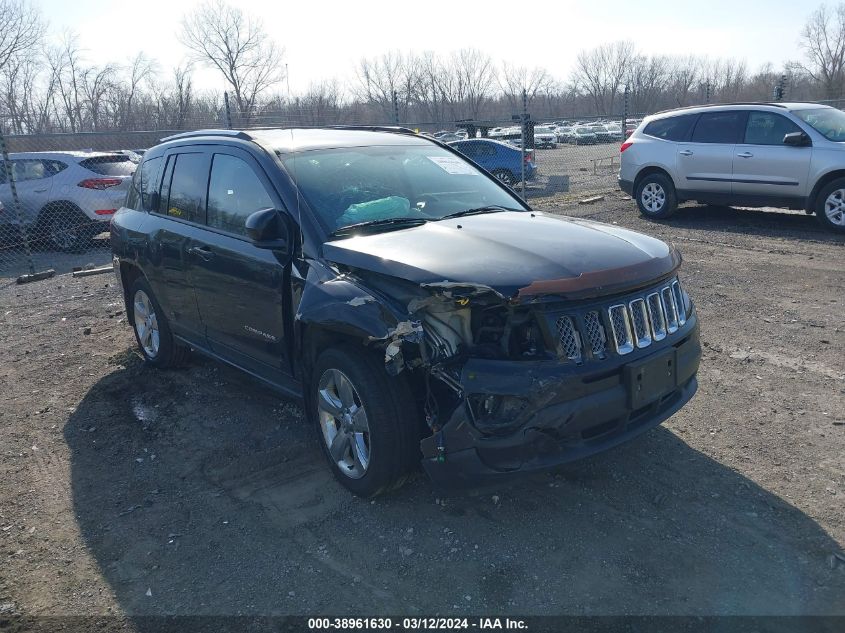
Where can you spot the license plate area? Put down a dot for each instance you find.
(651, 378)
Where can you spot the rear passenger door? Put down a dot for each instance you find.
(705, 162)
(764, 166)
(33, 183)
(239, 288)
(176, 226)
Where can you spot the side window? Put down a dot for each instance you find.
(468, 149)
(29, 169)
(718, 127)
(234, 193)
(768, 128)
(53, 167)
(673, 128)
(164, 194)
(188, 184)
(150, 172)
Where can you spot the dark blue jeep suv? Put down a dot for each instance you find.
(419, 307)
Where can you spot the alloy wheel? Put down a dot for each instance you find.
(343, 422)
(653, 197)
(146, 324)
(834, 207)
(63, 233)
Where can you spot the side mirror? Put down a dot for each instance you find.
(270, 229)
(797, 139)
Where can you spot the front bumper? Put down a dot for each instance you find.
(573, 413)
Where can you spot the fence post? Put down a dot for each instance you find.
(228, 111)
(10, 176)
(524, 138)
(396, 107)
(625, 112)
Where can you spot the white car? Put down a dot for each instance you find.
(545, 136)
(65, 197)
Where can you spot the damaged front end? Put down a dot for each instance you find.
(537, 379)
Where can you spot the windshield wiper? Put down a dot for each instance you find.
(491, 208)
(384, 223)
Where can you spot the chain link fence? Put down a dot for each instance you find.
(59, 191)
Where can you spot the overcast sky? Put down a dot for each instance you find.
(324, 39)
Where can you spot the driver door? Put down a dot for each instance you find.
(240, 289)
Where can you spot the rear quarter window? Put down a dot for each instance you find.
(673, 128)
(117, 165)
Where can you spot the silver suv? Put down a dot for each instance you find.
(789, 155)
(65, 197)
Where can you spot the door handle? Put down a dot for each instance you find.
(686, 152)
(40, 190)
(745, 155)
(203, 252)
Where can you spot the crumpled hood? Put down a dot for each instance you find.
(517, 254)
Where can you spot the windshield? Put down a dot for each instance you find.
(583, 130)
(351, 185)
(829, 122)
(543, 130)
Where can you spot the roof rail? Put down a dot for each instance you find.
(209, 132)
(715, 105)
(395, 129)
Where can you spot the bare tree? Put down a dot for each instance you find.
(475, 78)
(823, 40)
(513, 80)
(221, 36)
(600, 71)
(21, 29)
(379, 78)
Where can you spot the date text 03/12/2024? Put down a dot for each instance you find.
(416, 624)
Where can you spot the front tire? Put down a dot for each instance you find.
(366, 421)
(830, 206)
(152, 330)
(655, 196)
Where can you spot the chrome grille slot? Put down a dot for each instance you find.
(679, 302)
(639, 323)
(656, 316)
(621, 327)
(595, 334)
(671, 311)
(570, 342)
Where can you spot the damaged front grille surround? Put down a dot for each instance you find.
(622, 327)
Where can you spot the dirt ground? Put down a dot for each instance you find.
(126, 490)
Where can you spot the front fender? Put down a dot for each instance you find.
(340, 304)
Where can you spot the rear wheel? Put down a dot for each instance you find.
(366, 421)
(67, 231)
(830, 206)
(152, 330)
(655, 196)
(505, 176)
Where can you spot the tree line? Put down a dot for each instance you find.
(48, 85)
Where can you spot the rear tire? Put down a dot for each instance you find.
(830, 206)
(504, 176)
(67, 230)
(366, 421)
(152, 330)
(655, 196)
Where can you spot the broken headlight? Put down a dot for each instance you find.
(494, 414)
